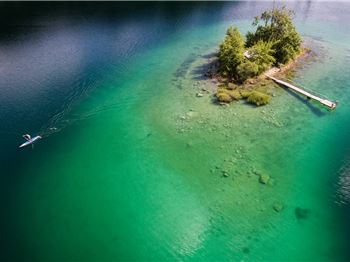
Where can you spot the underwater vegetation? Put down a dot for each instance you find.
(258, 98)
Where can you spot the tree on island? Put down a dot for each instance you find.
(274, 42)
(276, 26)
(260, 59)
(231, 52)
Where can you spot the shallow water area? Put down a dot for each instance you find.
(141, 168)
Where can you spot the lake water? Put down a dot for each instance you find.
(130, 164)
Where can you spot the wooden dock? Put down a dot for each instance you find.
(325, 102)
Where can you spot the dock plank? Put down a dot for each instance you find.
(325, 102)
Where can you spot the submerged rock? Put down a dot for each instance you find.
(301, 213)
(254, 171)
(264, 179)
(271, 182)
(278, 206)
(225, 174)
(246, 250)
(191, 114)
(189, 144)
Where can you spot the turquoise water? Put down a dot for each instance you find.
(130, 166)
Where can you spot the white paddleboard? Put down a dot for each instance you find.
(30, 141)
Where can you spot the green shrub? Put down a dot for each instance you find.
(275, 41)
(246, 70)
(222, 85)
(258, 98)
(285, 52)
(231, 52)
(224, 97)
(262, 55)
(221, 89)
(245, 93)
(227, 96)
(276, 26)
(235, 94)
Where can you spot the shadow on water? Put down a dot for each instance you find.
(210, 55)
(307, 102)
(201, 72)
(185, 66)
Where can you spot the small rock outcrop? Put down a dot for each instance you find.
(264, 179)
(301, 213)
(278, 206)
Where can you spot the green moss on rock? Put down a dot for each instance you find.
(258, 98)
(224, 97)
(278, 206)
(245, 93)
(264, 179)
(301, 213)
(227, 96)
(235, 94)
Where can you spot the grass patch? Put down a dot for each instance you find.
(226, 96)
(258, 98)
(245, 93)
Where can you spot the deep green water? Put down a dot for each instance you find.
(130, 167)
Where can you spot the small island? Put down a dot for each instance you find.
(243, 62)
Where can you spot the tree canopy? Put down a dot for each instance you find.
(231, 52)
(262, 55)
(275, 41)
(276, 26)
